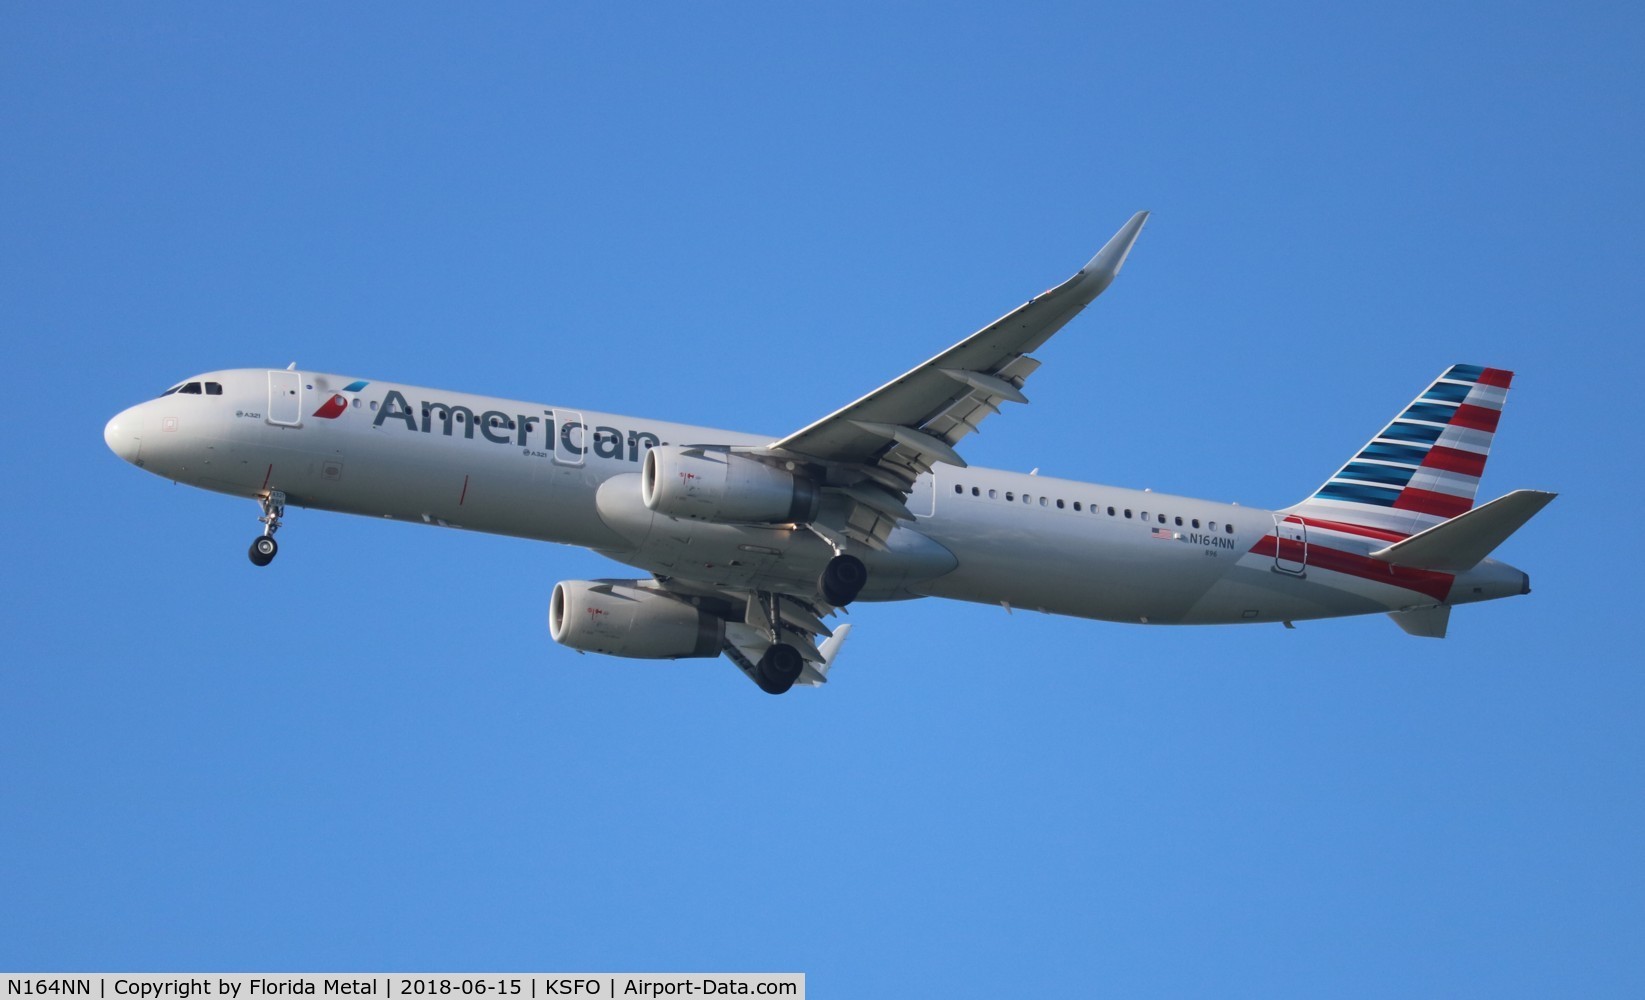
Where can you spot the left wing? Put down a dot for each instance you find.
(875, 448)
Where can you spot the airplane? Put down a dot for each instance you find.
(752, 542)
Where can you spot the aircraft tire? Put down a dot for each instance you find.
(778, 669)
(842, 580)
(263, 550)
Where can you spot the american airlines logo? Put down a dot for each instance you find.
(537, 435)
(333, 408)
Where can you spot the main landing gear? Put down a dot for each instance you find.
(778, 669)
(842, 580)
(264, 547)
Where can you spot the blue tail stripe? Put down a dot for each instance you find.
(1449, 392)
(1413, 432)
(1439, 413)
(1358, 494)
(1465, 373)
(1394, 452)
(1393, 475)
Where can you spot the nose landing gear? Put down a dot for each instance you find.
(264, 547)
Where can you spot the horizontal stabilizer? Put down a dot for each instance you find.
(1460, 543)
(1429, 623)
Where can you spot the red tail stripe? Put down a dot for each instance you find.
(1429, 502)
(1429, 583)
(1477, 418)
(1496, 377)
(1455, 460)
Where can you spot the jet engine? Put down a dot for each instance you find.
(628, 618)
(708, 485)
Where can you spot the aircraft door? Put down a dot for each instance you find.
(571, 437)
(922, 499)
(285, 398)
(1290, 545)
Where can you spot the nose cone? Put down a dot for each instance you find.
(120, 434)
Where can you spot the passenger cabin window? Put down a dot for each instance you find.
(1061, 507)
(1127, 512)
(976, 492)
(1010, 497)
(1162, 519)
(1076, 504)
(958, 488)
(1110, 512)
(1179, 522)
(1043, 502)
(1228, 528)
(993, 494)
(1196, 522)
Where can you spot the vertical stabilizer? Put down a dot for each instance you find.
(1424, 467)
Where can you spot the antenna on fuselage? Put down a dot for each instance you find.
(291, 367)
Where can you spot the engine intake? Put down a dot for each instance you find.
(722, 487)
(625, 618)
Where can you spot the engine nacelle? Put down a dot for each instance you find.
(722, 487)
(623, 618)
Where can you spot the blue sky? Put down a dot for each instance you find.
(370, 755)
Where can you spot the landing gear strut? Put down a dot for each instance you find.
(782, 663)
(264, 547)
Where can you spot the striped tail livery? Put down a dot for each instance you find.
(1424, 467)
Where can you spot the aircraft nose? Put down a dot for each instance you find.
(120, 434)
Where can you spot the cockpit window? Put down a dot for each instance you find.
(214, 388)
(192, 388)
(172, 389)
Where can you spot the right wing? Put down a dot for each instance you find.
(876, 447)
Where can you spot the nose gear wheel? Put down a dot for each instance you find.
(264, 548)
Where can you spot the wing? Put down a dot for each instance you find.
(874, 449)
(756, 619)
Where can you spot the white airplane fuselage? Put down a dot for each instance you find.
(537, 471)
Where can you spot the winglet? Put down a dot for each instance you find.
(831, 647)
(1099, 271)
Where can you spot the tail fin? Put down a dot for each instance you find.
(1425, 465)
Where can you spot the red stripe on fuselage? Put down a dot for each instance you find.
(1427, 582)
(1428, 502)
(1476, 418)
(1455, 460)
(1355, 529)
